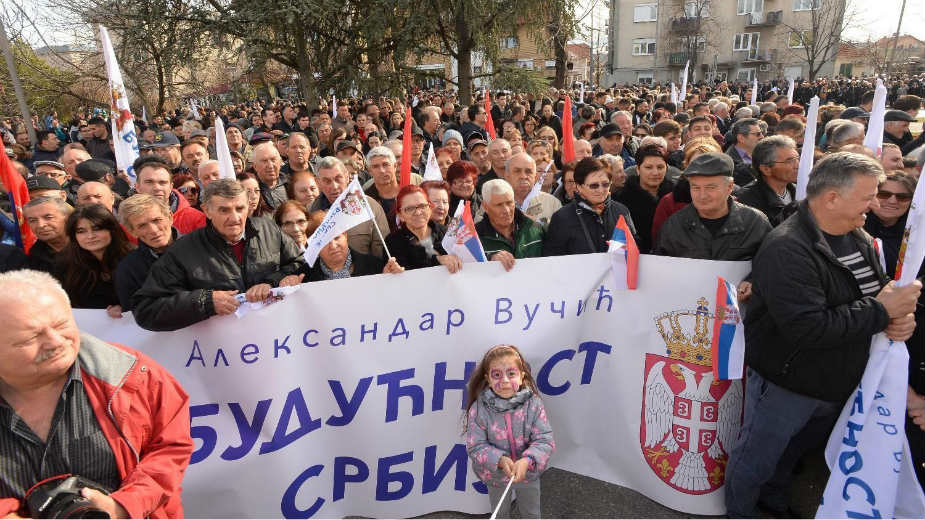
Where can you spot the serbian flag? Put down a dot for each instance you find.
(568, 138)
(626, 265)
(461, 238)
(405, 178)
(489, 122)
(19, 196)
(728, 333)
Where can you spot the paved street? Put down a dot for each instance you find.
(568, 495)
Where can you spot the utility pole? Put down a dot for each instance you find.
(892, 56)
(17, 86)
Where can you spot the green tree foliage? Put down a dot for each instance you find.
(42, 83)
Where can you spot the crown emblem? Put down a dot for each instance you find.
(687, 334)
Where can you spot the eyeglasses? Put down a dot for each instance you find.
(466, 181)
(189, 189)
(901, 197)
(789, 160)
(300, 222)
(759, 134)
(411, 210)
(594, 186)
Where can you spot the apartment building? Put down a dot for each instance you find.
(734, 40)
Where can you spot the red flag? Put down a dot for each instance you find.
(16, 186)
(489, 122)
(406, 150)
(568, 138)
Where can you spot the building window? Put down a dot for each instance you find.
(644, 77)
(750, 6)
(525, 63)
(745, 74)
(645, 13)
(697, 9)
(550, 64)
(510, 42)
(643, 46)
(806, 5)
(798, 39)
(745, 41)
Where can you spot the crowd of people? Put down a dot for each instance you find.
(709, 177)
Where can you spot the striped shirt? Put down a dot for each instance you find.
(847, 252)
(75, 444)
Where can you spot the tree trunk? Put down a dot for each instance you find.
(306, 79)
(161, 86)
(559, 49)
(464, 61)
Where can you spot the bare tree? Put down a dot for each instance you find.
(816, 38)
(694, 28)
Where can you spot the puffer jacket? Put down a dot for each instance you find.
(685, 236)
(528, 237)
(516, 427)
(178, 290)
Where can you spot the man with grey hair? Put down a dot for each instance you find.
(819, 295)
(776, 162)
(520, 173)
(744, 135)
(208, 172)
(205, 274)
(46, 217)
(72, 404)
(388, 154)
(268, 163)
(332, 181)
(624, 121)
(845, 133)
(499, 151)
(721, 110)
(506, 232)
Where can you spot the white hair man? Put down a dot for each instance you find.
(520, 173)
(506, 232)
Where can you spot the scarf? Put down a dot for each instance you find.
(500, 405)
(344, 272)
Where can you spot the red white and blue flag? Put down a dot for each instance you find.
(461, 238)
(624, 256)
(19, 196)
(728, 333)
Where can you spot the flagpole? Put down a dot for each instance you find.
(379, 232)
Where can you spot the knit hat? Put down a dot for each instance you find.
(452, 134)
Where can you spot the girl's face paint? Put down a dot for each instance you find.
(505, 377)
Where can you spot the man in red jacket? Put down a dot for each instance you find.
(73, 404)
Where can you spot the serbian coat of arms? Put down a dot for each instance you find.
(689, 420)
(352, 203)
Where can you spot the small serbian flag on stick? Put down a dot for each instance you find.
(728, 334)
(461, 239)
(624, 256)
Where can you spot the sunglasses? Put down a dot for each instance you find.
(902, 197)
(188, 189)
(598, 185)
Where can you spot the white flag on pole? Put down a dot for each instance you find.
(809, 147)
(432, 170)
(868, 452)
(144, 114)
(581, 97)
(790, 90)
(683, 94)
(194, 110)
(674, 95)
(754, 100)
(124, 138)
(222, 152)
(873, 140)
(348, 210)
(333, 106)
(538, 187)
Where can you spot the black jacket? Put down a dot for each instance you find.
(132, 272)
(362, 265)
(405, 247)
(760, 196)
(42, 258)
(642, 206)
(743, 173)
(178, 290)
(807, 326)
(684, 235)
(566, 235)
(12, 258)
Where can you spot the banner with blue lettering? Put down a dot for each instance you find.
(346, 397)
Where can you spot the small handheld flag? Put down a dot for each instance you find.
(348, 210)
(624, 256)
(728, 333)
(432, 170)
(461, 239)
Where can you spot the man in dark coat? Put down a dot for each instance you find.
(744, 135)
(818, 297)
(776, 161)
(204, 273)
(148, 218)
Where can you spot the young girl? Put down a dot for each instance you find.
(507, 434)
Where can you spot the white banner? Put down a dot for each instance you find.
(873, 139)
(124, 139)
(346, 397)
(754, 100)
(225, 166)
(789, 91)
(807, 153)
(683, 95)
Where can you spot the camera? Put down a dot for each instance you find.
(59, 497)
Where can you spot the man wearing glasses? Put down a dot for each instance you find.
(745, 136)
(776, 161)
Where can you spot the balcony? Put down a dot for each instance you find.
(678, 58)
(769, 19)
(685, 25)
(760, 56)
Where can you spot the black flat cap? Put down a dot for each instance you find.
(709, 165)
(164, 139)
(95, 169)
(897, 115)
(41, 182)
(609, 130)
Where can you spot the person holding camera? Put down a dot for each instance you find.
(86, 427)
